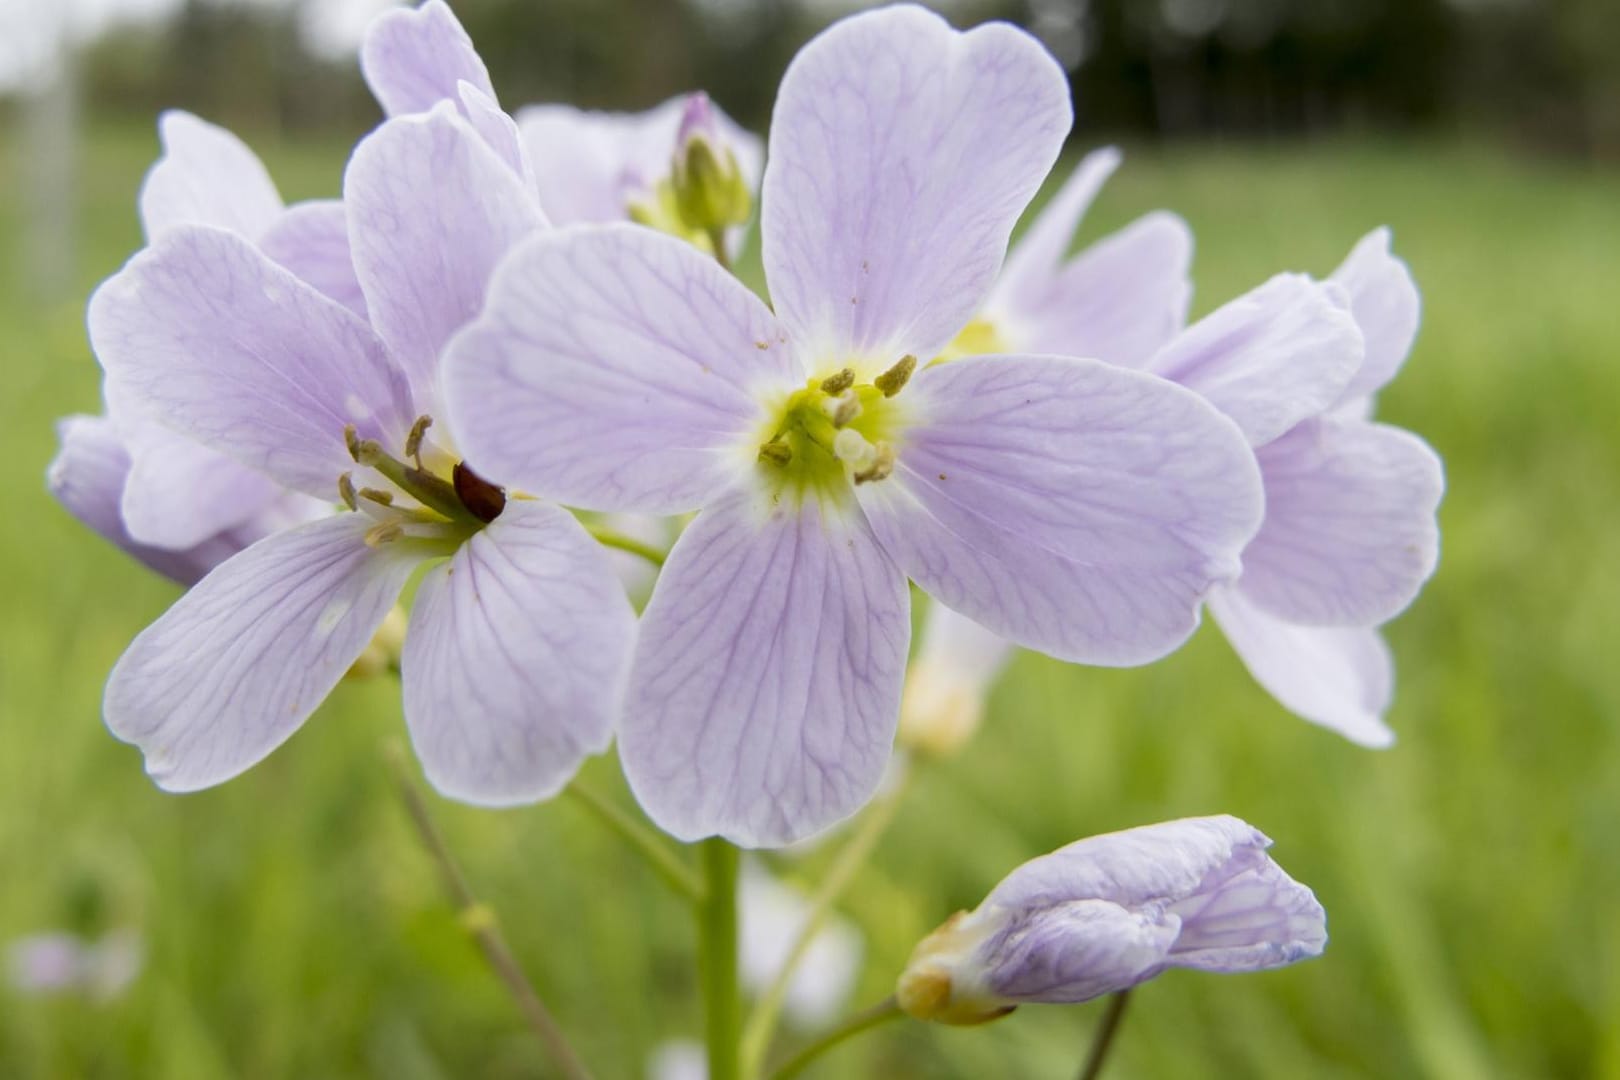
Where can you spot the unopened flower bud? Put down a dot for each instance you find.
(949, 681)
(1108, 912)
(711, 192)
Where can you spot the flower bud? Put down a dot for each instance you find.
(948, 683)
(1106, 913)
(711, 193)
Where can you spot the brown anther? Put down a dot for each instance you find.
(891, 382)
(837, 384)
(777, 453)
(413, 441)
(351, 439)
(880, 468)
(346, 491)
(482, 499)
(381, 498)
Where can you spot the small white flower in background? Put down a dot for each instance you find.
(678, 1059)
(773, 915)
(949, 682)
(57, 962)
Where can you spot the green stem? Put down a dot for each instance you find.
(1104, 1040)
(851, 857)
(717, 240)
(481, 925)
(669, 866)
(881, 1013)
(717, 950)
(608, 538)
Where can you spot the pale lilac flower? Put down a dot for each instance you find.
(58, 962)
(518, 635)
(416, 60)
(1074, 507)
(1112, 911)
(173, 503)
(772, 915)
(601, 167)
(1350, 533)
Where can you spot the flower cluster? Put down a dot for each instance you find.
(512, 327)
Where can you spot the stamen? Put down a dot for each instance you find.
(880, 468)
(777, 452)
(351, 439)
(891, 382)
(844, 409)
(381, 498)
(413, 441)
(346, 491)
(837, 384)
(384, 533)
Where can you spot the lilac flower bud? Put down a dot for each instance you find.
(1108, 912)
(710, 190)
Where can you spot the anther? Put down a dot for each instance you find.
(413, 441)
(880, 468)
(346, 491)
(891, 382)
(776, 452)
(837, 384)
(351, 439)
(381, 498)
(367, 451)
(385, 533)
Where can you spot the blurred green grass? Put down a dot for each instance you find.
(1472, 874)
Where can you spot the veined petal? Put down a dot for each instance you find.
(240, 661)
(901, 154)
(1341, 678)
(1134, 867)
(1385, 302)
(614, 368)
(498, 130)
(206, 176)
(179, 492)
(1078, 950)
(1275, 356)
(1077, 508)
(431, 211)
(210, 337)
(311, 239)
(87, 477)
(1121, 300)
(412, 59)
(764, 691)
(1350, 534)
(514, 664)
(1040, 252)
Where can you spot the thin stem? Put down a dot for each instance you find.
(884, 1011)
(668, 865)
(850, 858)
(608, 538)
(717, 952)
(1104, 1039)
(479, 921)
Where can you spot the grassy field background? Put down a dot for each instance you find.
(1471, 874)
